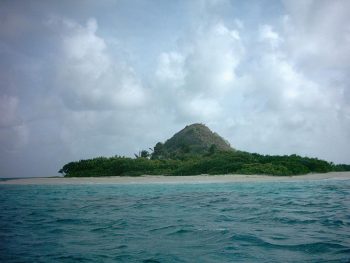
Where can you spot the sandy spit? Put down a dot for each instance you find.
(153, 179)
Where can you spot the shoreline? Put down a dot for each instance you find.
(161, 179)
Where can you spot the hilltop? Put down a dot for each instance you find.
(195, 139)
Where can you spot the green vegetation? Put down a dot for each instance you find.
(196, 150)
(236, 162)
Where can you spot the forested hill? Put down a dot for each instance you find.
(195, 139)
(197, 150)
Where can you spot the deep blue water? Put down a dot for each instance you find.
(235, 222)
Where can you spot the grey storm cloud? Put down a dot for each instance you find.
(87, 79)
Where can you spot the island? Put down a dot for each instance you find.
(196, 150)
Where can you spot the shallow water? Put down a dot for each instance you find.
(241, 222)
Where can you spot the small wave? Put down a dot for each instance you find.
(72, 258)
(293, 221)
(227, 209)
(311, 247)
(219, 200)
(345, 251)
(162, 228)
(100, 229)
(122, 247)
(181, 232)
(251, 239)
(56, 231)
(315, 247)
(332, 222)
(224, 218)
(68, 221)
(151, 261)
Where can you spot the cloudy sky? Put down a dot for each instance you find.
(80, 79)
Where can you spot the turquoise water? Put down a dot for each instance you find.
(234, 222)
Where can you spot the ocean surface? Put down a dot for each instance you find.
(303, 221)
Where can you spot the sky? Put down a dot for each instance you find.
(81, 79)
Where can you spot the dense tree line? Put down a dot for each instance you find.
(213, 162)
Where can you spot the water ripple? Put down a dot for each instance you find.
(244, 222)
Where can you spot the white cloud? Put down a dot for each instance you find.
(213, 57)
(206, 108)
(105, 99)
(200, 72)
(171, 69)
(267, 34)
(318, 33)
(88, 77)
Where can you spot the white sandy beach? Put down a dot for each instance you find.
(151, 179)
